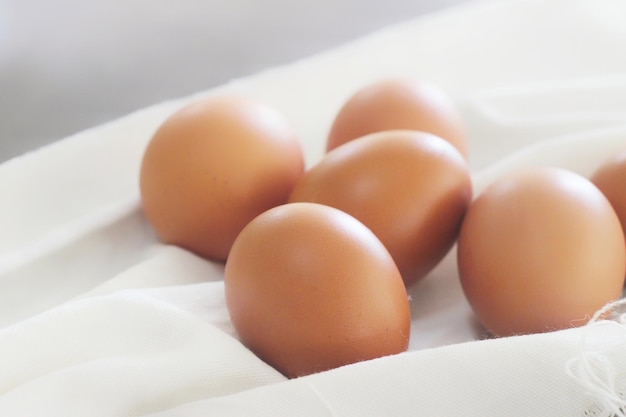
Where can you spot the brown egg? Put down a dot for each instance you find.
(610, 178)
(212, 167)
(410, 188)
(398, 103)
(309, 288)
(539, 250)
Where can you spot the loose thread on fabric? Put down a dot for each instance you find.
(592, 367)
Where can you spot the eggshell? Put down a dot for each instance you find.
(610, 178)
(212, 167)
(539, 250)
(410, 188)
(310, 288)
(398, 103)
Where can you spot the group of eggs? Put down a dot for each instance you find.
(318, 259)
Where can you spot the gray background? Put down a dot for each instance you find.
(66, 65)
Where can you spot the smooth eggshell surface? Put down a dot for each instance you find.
(212, 167)
(610, 178)
(410, 188)
(540, 249)
(310, 288)
(399, 103)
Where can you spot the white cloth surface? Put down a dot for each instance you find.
(99, 319)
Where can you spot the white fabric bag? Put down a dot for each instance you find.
(99, 319)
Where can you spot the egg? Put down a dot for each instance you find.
(410, 188)
(212, 167)
(540, 249)
(310, 288)
(610, 178)
(398, 103)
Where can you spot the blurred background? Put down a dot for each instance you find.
(66, 65)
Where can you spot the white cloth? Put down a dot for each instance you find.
(99, 319)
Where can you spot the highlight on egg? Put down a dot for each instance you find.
(410, 188)
(399, 103)
(540, 249)
(309, 288)
(212, 167)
